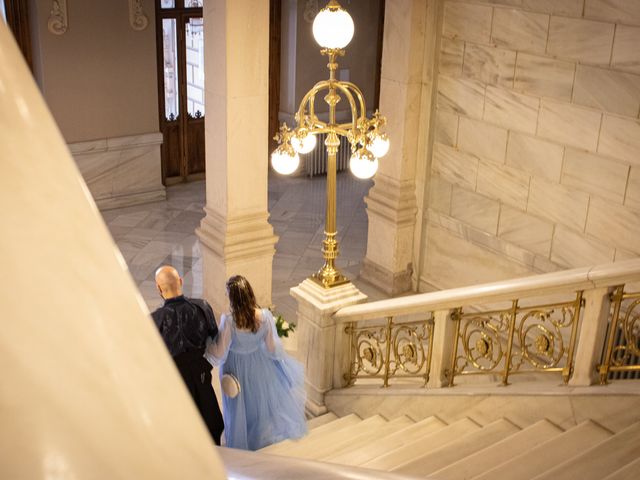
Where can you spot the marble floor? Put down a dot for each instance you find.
(164, 233)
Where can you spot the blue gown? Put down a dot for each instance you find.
(270, 405)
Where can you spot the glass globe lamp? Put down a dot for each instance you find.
(363, 164)
(333, 27)
(304, 145)
(379, 145)
(285, 161)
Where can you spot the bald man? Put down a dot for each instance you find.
(185, 324)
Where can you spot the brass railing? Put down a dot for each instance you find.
(541, 324)
(528, 339)
(622, 351)
(401, 350)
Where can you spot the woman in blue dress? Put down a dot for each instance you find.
(270, 405)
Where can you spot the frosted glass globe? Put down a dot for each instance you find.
(305, 145)
(380, 145)
(333, 28)
(363, 167)
(284, 163)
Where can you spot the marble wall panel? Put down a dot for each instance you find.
(520, 30)
(538, 157)
(626, 53)
(558, 203)
(614, 224)
(511, 110)
(467, 21)
(138, 168)
(456, 167)
(491, 65)
(482, 139)
(460, 96)
(440, 194)
(607, 90)
(121, 171)
(622, 255)
(544, 76)
(528, 231)
(583, 40)
(569, 8)
(569, 125)
(504, 183)
(451, 54)
(99, 170)
(455, 262)
(620, 138)
(474, 209)
(594, 174)
(632, 199)
(615, 11)
(511, 3)
(446, 129)
(572, 249)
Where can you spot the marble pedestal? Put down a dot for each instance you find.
(321, 346)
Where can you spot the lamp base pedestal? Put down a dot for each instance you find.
(323, 345)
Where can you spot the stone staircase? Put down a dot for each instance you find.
(464, 449)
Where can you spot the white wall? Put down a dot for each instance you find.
(536, 161)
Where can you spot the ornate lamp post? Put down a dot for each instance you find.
(333, 30)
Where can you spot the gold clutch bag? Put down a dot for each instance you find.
(230, 385)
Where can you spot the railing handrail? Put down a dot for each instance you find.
(604, 275)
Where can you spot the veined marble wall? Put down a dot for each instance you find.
(536, 156)
(121, 171)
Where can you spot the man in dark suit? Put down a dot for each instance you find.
(185, 324)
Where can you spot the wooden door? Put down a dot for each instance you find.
(181, 88)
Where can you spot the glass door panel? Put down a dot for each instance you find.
(181, 85)
(170, 68)
(194, 56)
(194, 47)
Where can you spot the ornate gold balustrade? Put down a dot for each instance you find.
(461, 331)
(538, 338)
(390, 350)
(622, 352)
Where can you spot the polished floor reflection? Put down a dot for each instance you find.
(163, 233)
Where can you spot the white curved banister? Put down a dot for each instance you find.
(606, 275)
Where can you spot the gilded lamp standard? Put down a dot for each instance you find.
(333, 30)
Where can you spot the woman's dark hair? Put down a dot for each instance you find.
(243, 303)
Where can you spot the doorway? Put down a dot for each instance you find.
(180, 47)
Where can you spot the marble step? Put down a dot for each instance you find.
(457, 449)
(600, 460)
(321, 420)
(306, 447)
(365, 453)
(369, 437)
(548, 454)
(631, 471)
(407, 452)
(318, 432)
(497, 453)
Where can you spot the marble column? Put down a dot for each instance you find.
(235, 234)
(391, 203)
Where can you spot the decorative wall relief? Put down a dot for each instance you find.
(58, 22)
(137, 17)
